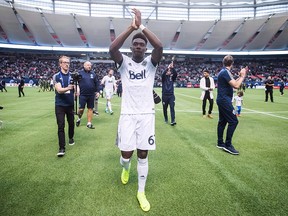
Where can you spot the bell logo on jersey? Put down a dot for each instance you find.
(133, 75)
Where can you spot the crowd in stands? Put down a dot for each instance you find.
(189, 69)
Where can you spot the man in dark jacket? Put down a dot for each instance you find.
(168, 98)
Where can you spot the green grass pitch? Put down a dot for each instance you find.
(188, 175)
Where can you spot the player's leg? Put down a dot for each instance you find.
(71, 125)
(229, 115)
(211, 103)
(221, 127)
(165, 107)
(271, 95)
(60, 118)
(145, 141)
(126, 142)
(172, 109)
(95, 110)
(90, 106)
(82, 103)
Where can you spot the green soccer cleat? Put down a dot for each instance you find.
(125, 175)
(144, 204)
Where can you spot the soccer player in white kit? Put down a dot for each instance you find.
(109, 83)
(136, 128)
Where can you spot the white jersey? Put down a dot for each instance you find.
(137, 81)
(109, 83)
(238, 100)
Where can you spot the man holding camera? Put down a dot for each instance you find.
(87, 86)
(64, 103)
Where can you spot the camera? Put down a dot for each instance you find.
(156, 97)
(76, 77)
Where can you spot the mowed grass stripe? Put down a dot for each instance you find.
(188, 175)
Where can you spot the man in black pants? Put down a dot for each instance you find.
(227, 114)
(21, 86)
(207, 85)
(64, 103)
(269, 89)
(168, 98)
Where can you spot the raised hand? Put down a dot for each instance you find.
(137, 17)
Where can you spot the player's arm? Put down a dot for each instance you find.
(237, 83)
(119, 41)
(152, 38)
(62, 90)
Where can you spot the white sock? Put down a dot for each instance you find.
(142, 168)
(109, 105)
(124, 162)
(89, 123)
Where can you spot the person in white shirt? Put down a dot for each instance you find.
(109, 84)
(239, 102)
(136, 128)
(207, 85)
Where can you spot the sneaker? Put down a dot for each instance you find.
(125, 175)
(220, 146)
(90, 126)
(95, 113)
(61, 153)
(210, 116)
(166, 121)
(106, 111)
(204, 116)
(71, 141)
(144, 204)
(173, 123)
(230, 149)
(111, 112)
(78, 122)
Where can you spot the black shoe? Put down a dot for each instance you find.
(78, 122)
(95, 113)
(173, 123)
(71, 141)
(230, 149)
(90, 126)
(220, 145)
(61, 153)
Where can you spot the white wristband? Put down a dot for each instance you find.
(142, 27)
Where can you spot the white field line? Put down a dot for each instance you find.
(249, 110)
(200, 111)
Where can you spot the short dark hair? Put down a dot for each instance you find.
(228, 60)
(140, 35)
(206, 70)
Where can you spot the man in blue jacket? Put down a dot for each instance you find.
(64, 103)
(88, 85)
(168, 98)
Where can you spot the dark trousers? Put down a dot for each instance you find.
(168, 100)
(281, 90)
(20, 90)
(60, 112)
(270, 92)
(226, 115)
(207, 97)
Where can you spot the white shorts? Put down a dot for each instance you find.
(109, 94)
(136, 132)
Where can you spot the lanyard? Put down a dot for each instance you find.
(62, 80)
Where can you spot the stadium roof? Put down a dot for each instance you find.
(183, 26)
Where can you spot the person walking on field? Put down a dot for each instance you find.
(168, 98)
(269, 84)
(227, 113)
(207, 85)
(136, 128)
